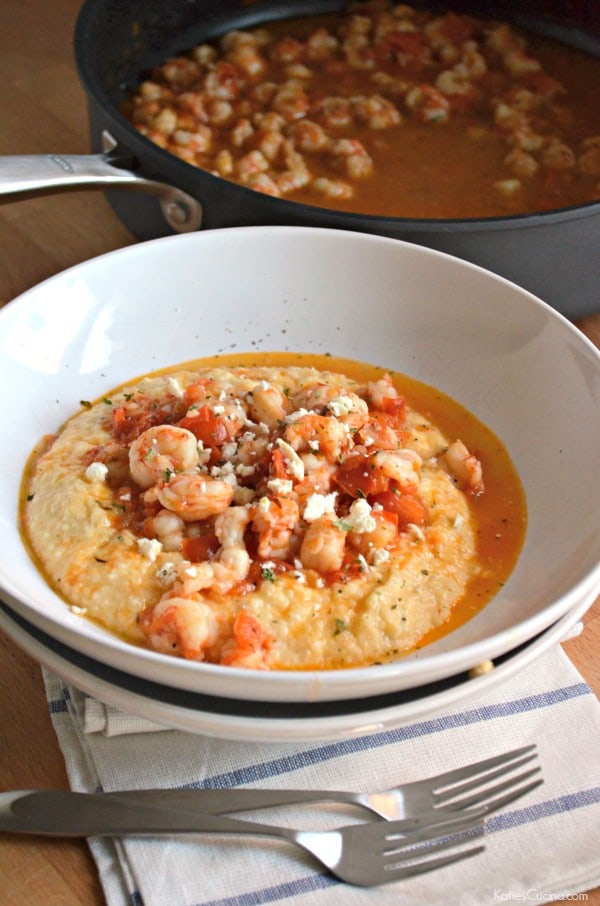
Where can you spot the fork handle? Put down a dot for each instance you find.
(67, 814)
(226, 801)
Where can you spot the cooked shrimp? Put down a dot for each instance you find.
(427, 103)
(376, 111)
(169, 529)
(249, 644)
(332, 188)
(402, 466)
(194, 496)
(291, 100)
(318, 432)
(160, 451)
(354, 156)
(181, 626)
(464, 467)
(274, 520)
(323, 545)
(231, 525)
(382, 537)
(349, 409)
(315, 396)
(379, 392)
(267, 404)
(309, 136)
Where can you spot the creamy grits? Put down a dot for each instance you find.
(280, 516)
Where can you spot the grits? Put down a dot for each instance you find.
(261, 517)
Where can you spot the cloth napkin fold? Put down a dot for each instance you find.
(543, 847)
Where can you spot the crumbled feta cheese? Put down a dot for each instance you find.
(175, 388)
(379, 556)
(359, 518)
(416, 532)
(167, 574)
(149, 547)
(296, 415)
(341, 405)
(228, 451)
(78, 611)
(244, 470)
(96, 471)
(362, 564)
(293, 462)
(264, 505)
(317, 505)
(280, 486)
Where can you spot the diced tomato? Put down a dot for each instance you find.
(410, 43)
(408, 508)
(127, 426)
(358, 477)
(200, 548)
(208, 427)
(396, 406)
(382, 432)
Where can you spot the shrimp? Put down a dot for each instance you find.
(194, 496)
(323, 545)
(169, 529)
(309, 136)
(249, 644)
(464, 467)
(332, 188)
(274, 520)
(402, 466)
(267, 404)
(379, 392)
(354, 156)
(427, 103)
(382, 537)
(558, 156)
(349, 409)
(318, 432)
(160, 451)
(589, 159)
(376, 111)
(315, 396)
(291, 100)
(181, 626)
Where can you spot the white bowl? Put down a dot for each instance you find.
(508, 357)
(276, 722)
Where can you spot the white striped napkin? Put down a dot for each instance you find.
(542, 848)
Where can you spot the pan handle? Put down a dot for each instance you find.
(28, 175)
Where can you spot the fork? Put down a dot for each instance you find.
(365, 854)
(454, 791)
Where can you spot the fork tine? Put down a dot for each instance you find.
(500, 801)
(472, 783)
(472, 770)
(432, 830)
(392, 873)
(452, 803)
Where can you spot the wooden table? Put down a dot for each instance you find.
(43, 110)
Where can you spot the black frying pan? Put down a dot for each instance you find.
(555, 254)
